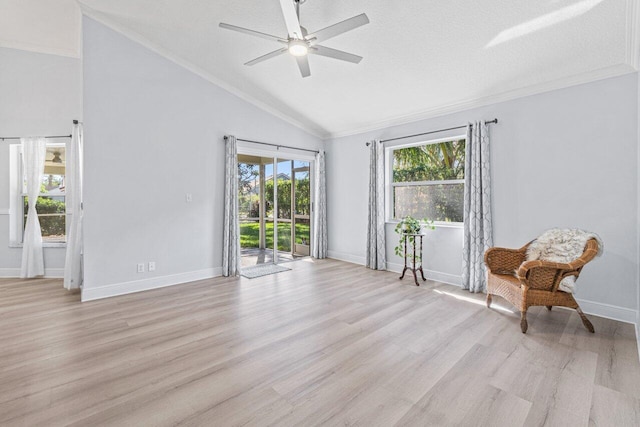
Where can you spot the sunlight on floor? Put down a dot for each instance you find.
(473, 300)
(544, 21)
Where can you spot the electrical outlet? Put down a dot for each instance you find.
(141, 268)
(189, 197)
(152, 266)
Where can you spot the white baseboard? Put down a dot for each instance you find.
(49, 273)
(436, 276)
(599, 309)
(341, 256)
(10, 272)
(613, 312)
(89, 294)
(54, 273)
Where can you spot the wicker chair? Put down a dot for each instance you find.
(535, 282)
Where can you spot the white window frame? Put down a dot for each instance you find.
(390, 185)
(16, 194)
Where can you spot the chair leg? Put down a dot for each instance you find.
(523, 321)
(549, 307)
(489, 299)
(587, 324)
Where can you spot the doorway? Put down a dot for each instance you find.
(274, 203)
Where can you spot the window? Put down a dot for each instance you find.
(427, 180)
(51, 206)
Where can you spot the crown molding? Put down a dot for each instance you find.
(100, 17)
(37, 48)
(632, 63)
(578, 79)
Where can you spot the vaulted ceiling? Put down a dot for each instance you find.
(421, 58)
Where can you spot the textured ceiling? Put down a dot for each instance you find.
(41, 26)
(421, 57)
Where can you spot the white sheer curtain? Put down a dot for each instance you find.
(320, 211)
(376, 251)
(73, 190)
(231, 243)
(478, 233)
(34, 151)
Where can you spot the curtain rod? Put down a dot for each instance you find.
(75, 122)
(433, 131)
(273, 145)
(47, 137)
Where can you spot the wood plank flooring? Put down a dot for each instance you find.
(328, 343)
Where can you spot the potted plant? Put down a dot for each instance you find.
(410, 225)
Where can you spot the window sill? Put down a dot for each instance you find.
(437, 224)
(44, 245)
(449, 224)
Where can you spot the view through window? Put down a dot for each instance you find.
(292, 214)
(427, 181)
(50, 206)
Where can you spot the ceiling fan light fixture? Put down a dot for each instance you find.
(299, 43)
(298, 47)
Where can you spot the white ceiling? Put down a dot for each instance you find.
(421, 58)
(41, 26)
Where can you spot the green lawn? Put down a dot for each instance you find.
(250, 235)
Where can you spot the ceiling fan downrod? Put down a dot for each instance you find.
(298, 3)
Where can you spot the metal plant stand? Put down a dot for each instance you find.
(415, 257)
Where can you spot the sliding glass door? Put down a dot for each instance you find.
(301, 219)
(254, 208)
(274, 198)
(284, 206)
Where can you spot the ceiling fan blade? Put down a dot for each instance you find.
(267, 56)
(303, 64)
(291, 19)
(251, 32)
(339, 28)
(335, 53)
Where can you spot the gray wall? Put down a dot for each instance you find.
(40, 94)
(566, 158)
(154, 132)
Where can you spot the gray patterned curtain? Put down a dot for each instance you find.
(376, 256)
(231, 238)
(478, 232)
(320, 211)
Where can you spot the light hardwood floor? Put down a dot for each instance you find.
(327, 343)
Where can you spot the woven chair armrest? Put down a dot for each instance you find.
(504, 260)
(527, 266)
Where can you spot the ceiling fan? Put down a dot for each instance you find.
(299, 42)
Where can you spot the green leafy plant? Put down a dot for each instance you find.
(51, 225)
(410, 225)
